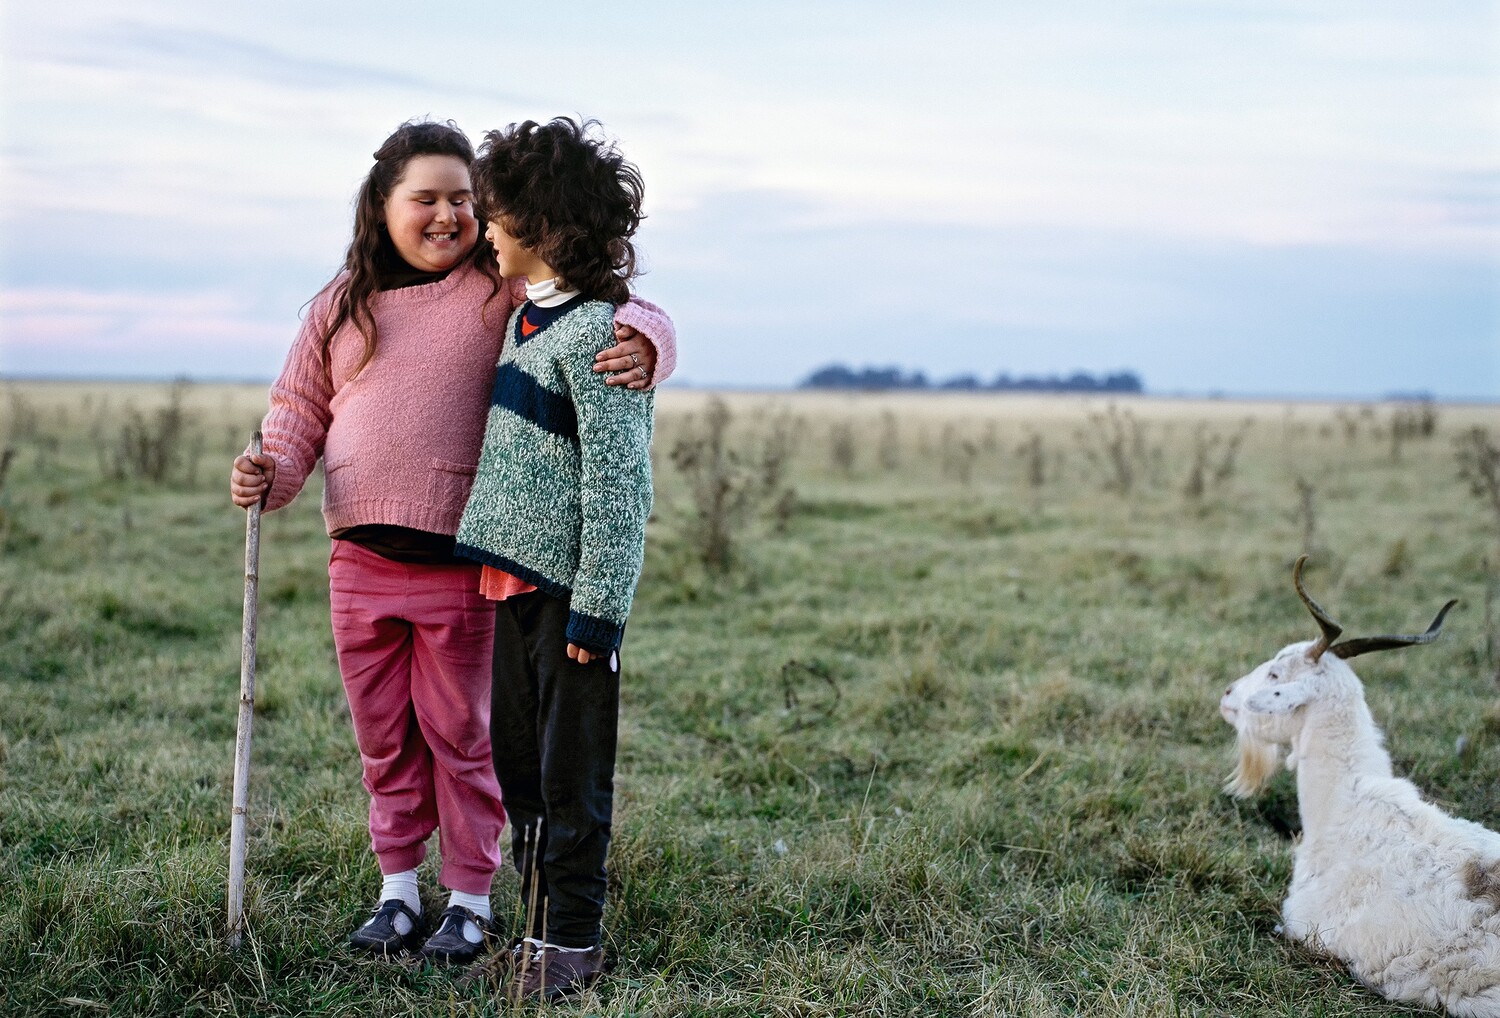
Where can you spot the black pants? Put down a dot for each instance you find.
(553, 724)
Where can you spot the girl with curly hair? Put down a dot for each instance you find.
(558, 517)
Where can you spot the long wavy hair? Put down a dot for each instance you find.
(567, 195)
(371, 252)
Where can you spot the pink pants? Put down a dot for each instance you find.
(414, 645)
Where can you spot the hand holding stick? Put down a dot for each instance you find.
(246, 720)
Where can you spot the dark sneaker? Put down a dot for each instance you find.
(379, 936)
(448, 945)
(551, 974)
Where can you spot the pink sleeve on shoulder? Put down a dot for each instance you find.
(296, 426)
(655, 324)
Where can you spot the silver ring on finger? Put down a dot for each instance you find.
(644, 373)
(635, 359)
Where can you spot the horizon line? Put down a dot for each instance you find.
(1212, 394)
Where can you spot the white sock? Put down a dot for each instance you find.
(479, 904)
(402, 885)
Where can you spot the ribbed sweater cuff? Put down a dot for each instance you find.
(594, 634)
(653, 323)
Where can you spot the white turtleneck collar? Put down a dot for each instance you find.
(547, 294)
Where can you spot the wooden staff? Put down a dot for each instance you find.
(247, 719)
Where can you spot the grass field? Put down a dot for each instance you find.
(919, 711)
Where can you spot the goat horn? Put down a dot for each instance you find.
(1365, 644)
(1331, 629)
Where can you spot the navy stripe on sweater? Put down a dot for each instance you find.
(530, 400)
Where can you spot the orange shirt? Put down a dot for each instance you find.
(497, 584)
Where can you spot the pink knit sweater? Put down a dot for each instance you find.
(401, 439)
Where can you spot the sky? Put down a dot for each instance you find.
(1247, 197)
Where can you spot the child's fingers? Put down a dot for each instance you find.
(626, 340)
(616, 358)
(256, 465)
(245, 495)
(242, 480)
(578, 654)
(628, 352)
(250, 479)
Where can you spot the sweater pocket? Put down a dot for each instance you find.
(448, 484)
(340, 484)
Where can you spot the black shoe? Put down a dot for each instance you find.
(379, 936)
(448, 945)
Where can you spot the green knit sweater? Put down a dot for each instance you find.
(564, 482)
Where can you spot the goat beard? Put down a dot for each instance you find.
(1258, 764)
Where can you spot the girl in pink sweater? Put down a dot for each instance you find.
(388, 381)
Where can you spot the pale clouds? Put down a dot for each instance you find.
(1063, 162)
(204, 334)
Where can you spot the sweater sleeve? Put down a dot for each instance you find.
(296, 425)
(655, 324)
(614, 439)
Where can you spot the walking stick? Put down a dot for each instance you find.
(247, 719)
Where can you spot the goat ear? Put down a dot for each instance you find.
(1280, 699)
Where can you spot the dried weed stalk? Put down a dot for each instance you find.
(154, 448)
(889, 451)
(959, 453)
(1479, 465)
(1491, 637)
(1307, 514)
(1035, 457)
(725, 485)
(841, 447)
(1215, 458)
(1115, 443)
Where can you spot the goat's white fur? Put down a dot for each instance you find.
(1405, 895)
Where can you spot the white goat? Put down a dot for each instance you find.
(1405, 895)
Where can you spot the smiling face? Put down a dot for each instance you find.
(429, 214)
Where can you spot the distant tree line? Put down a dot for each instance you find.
(839, 376)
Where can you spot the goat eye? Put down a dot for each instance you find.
(1273, 676)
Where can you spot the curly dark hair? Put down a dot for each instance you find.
(371, 251)
(567, 195)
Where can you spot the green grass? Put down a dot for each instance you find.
(928, 748)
